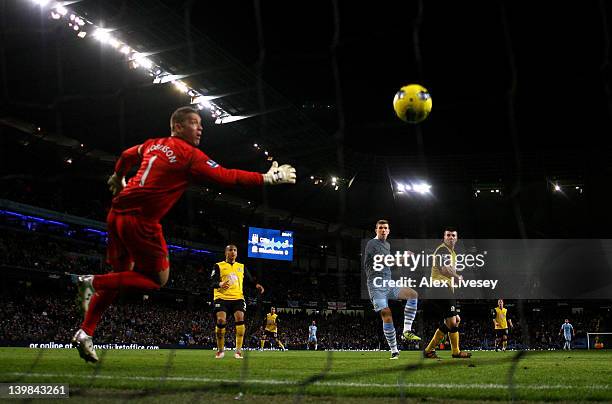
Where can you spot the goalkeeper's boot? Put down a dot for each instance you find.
(219, 354)
(410, 336)
(238, 355)
(463, 355)
(394, 355)
(430, 354)
(86, 290)
(84, 344)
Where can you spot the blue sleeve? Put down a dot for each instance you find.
(368, 256)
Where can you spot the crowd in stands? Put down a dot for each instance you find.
(62, 254)
(28, 315)
(34, 314)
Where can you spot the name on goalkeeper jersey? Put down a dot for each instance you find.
(164, 149)
(428, 282)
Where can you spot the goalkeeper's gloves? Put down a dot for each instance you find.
(284, 174)
(116, 183)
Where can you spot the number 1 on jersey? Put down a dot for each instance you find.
(146, 171)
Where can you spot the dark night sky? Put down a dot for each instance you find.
(467, 53)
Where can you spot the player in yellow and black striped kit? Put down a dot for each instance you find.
(227, 279)
(501, 321)
(443, 269)
(271, 330)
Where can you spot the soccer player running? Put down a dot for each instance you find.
(501, 321)
(136, 248)
(445, 253)
(262, 337)
(271, 330)
(568, 332)
(312, 335)
(228, 297)
(380, 295)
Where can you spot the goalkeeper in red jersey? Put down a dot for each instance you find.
(136, 248)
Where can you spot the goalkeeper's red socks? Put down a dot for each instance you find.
(123, 280)
(107, 287)
(98, 304)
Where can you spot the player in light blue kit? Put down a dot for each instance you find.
(312, 335)
(568, 333)
(380, 294)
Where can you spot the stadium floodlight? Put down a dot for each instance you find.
(102, 35)
(421, 188)
(202, 99)
(205, 104)
(566, 186)
(227, 118)
(58, 11)
(488, 189)
(182, 87)
(61, 10)
(165, 77)
(114, 42)
(142, 60)
(42, 3)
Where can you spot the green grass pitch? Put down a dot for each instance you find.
(307, 376)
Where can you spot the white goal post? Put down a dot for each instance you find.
(595, 333)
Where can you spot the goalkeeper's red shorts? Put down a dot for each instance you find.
(133, 240)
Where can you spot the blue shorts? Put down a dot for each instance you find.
(312, 339)
(568, 337)
(380, 296)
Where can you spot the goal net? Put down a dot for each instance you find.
(599, 340)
